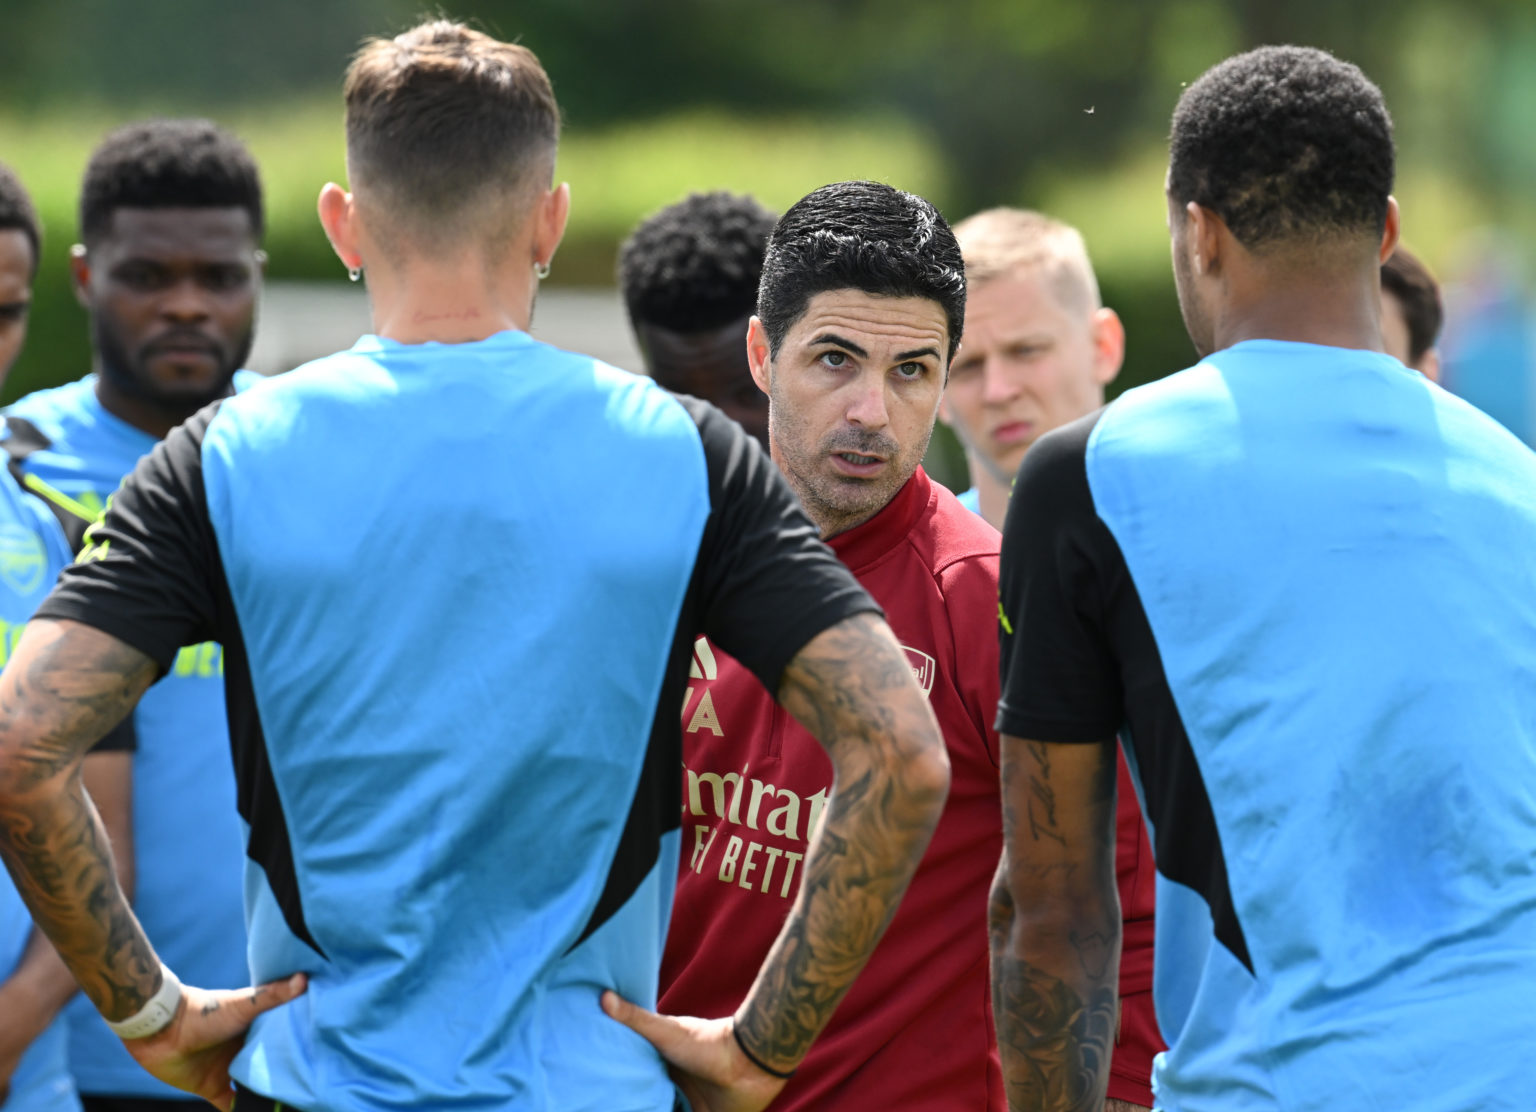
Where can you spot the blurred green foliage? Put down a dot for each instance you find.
(1056, 104)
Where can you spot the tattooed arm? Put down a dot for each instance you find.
(40, 985)
(852, 689)
(66, 685)
(1055, 924)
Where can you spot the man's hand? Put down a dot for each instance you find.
(195, 1050)
(706, 1063)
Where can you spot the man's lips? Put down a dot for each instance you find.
(1011, 433)
(857, 465)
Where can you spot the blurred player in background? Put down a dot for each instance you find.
(1411, 313)
(1039, 345)
(853, 336)
(169, 268)
(1039, 350)
(689, 276)
(34, 983)
(1244, 565)
(455, 716)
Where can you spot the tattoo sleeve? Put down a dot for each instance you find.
(1055, 925)
(66, 686)
(853, 690)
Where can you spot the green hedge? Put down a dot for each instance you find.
(619, 176)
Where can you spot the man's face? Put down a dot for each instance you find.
(172, 297)
(711, 365)
(853, 393)
(16, 266)
(1197, 319)
(1028, 364)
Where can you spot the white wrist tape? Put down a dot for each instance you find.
(155, 1015)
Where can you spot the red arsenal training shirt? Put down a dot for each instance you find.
(915, 1031)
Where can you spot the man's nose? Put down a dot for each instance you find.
(867, 407)
(185, 300)
(997, 384)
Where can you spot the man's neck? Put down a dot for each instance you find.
(154, 418)
(451, 302)
(1344, 312)
(991, 496)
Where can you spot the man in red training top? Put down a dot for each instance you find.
(859, 314)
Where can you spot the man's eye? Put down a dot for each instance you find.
(910, 370)
(226, 277)
(834, 358)
(140, 277)
(11, 314)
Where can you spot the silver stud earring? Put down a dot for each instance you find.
(541, 270)
(354, 272)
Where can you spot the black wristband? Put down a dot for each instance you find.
(755, 1060)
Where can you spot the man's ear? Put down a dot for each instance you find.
(1204, 239)
(338, 216)
(1108, 345)
(1390, 230)
(554, 210)
(80, 274)
(759, 357)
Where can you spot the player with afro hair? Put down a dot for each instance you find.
(690, 276)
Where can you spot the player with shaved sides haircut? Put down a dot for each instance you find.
(453, 713)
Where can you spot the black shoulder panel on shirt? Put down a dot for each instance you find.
(1079, 662)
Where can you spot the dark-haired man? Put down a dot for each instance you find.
(454, 718)
(34, 984)
(1411, 313)
(689, 275)
(1240, 569)
(168, 268)
(851, 344)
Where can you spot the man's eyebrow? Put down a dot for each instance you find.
(833, 338)
(917, 353)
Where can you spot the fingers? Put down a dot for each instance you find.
(274, 994)
(662, 1032)
(225, 1014)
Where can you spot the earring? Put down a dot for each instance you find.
(541, 270)
(354, 272)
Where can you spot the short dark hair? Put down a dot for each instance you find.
(1407, 279)
(168, 163)
(1284, 143)
(695, 265)
(438, 115)
(17, 213)
(860, 235)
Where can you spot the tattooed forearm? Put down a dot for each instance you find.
(1056, 1044)
(853, 690)
(64, 688)
(1054, 919)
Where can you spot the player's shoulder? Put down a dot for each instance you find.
(955, 547)
(57, 409)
